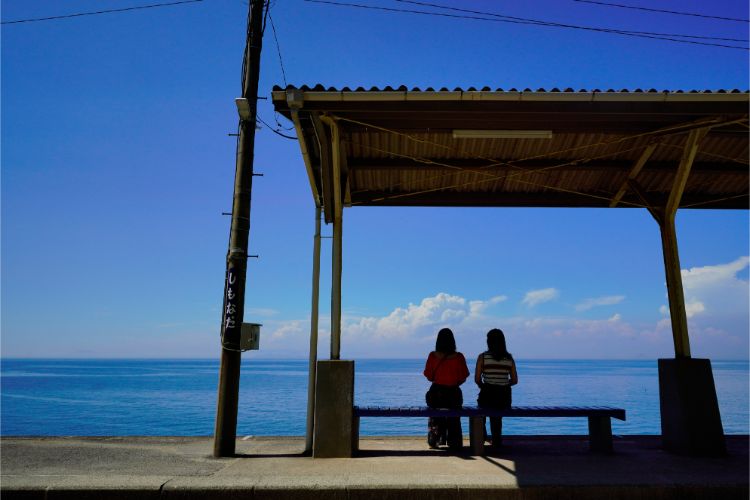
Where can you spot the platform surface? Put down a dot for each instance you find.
(389, 467)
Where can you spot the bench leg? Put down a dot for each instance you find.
(600, 434)
(355, 433)
(476, 435)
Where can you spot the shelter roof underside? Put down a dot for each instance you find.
(603, 148)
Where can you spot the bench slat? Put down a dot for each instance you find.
(472, 411)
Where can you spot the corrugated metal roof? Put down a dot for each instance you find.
(397, 146)
(403, 88)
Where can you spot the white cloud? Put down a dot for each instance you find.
(693, 308)
(536, 297)
(716, 303)
(707, 277)
(715, 291)
(433, 312)
(288, 329)
(479, 306)
(599, 301)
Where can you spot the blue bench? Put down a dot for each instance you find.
(600, 426)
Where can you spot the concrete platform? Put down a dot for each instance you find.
(546, 467)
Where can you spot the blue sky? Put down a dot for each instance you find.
(116, 167)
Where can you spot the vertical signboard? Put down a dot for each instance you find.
(231, 323)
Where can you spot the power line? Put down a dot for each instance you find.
(608, 4)
(573, 26)
(125, 9)
(278, 47)
(283, 73)
(530, 22)
(275, 131)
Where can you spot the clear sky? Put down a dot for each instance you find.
(116, 167)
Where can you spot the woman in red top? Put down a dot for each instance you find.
(447, 370)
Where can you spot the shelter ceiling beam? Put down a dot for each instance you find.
(637, 167)
(570, 164)
(683, 171)
(645, 199)
(541, 198)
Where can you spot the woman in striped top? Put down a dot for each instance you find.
(495, 374)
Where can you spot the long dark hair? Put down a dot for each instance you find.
(496, 344)
(445, 342)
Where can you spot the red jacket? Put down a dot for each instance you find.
(446, 371)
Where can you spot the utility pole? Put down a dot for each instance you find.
(225, 434)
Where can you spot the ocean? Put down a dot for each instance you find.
(58, 397)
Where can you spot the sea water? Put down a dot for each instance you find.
(178, 397)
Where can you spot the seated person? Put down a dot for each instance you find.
(495, 374)
(447, 370)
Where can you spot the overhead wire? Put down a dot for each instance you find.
(283, 71)
(261, 120)
(664, 11)
(278, 47)
(536, 23)
(573, 26)
(94, 13)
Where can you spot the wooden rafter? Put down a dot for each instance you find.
(637, 167)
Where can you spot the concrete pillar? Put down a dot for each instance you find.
(690, 417)
(334, 400)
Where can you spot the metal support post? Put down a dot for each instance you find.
(674, 286)
(313, 334)
(669, 245)
(336, 289)
(337, 243)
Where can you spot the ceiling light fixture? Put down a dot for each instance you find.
(502, 134)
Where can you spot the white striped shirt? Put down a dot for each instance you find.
(496, 372)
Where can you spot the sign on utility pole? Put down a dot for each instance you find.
(233, 312)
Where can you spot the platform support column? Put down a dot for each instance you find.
(338, 209)
(312, 367)
(690, 418)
